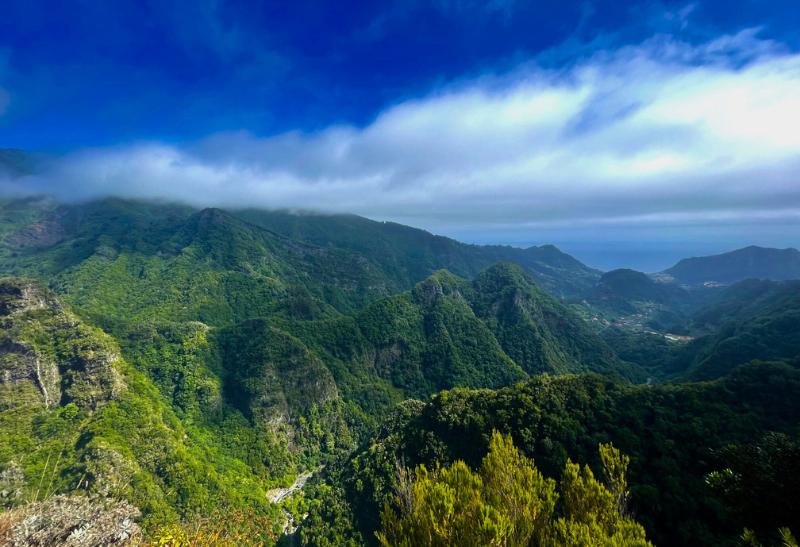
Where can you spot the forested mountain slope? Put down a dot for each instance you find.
(671, 432)
(118, 259)
(78, 419)
(753, 319)
(239, 349)
(750, 320)
(49, 237)
(444, 333)
(498, 329)
(537, 331)
(409, 254)
(265, 355)
(746, 300)
(429, 339)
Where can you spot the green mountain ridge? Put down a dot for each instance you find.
(410, 254)
(430, 339)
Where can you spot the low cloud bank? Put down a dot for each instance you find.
(660, 133)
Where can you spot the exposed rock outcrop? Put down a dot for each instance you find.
(45, 346)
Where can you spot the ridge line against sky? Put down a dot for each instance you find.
(684, 137)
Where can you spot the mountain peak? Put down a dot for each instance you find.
(537, 332)
(440, 283)
(214, 216)
(507, 272)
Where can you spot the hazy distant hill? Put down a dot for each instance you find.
(636, 301)
(749, 262)
(620, 289)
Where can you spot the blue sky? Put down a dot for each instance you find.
(613, 129)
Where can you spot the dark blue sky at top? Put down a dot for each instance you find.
(79, 73)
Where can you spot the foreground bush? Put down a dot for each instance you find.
(71, 521)
(509, 502)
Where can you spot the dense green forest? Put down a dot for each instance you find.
(182, 368)
(675, 436)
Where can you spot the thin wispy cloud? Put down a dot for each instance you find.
(641, 134)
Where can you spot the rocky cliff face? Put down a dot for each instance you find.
(47, 355)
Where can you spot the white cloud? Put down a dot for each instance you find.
(658, 132)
